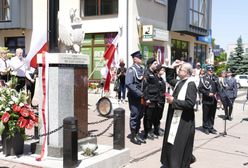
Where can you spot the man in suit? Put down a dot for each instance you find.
(133, 81)
(231, 92)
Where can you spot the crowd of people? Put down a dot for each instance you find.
(16, 68)
(192, 87)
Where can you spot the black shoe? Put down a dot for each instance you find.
(140, 139)
(213, 131)
(156, 133)
(149, 136)
(205, 131)
(155, 136)
(134, 140)
(229, 118)
(193, 159)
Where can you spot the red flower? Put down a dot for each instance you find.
(5, 117)
(22, 122)
(33, 116)
(24, 111)
(30, 124)
(16, 108)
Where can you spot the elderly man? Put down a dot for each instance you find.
(19, 67)
(180, 123)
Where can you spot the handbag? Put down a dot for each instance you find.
(117, 85)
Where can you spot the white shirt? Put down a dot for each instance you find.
(18, 66)
(104, 72)
(3, 66)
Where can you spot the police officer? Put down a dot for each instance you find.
(231, 92)
(151, 96)
(133, 81)
(208, 87)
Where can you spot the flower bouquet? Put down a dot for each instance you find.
(15, 114)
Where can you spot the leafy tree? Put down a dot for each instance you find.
(220, 63)
(238, 62)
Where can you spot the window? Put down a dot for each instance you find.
(4, 10)
(15, 42)
(198, 13)
(94, 45)
(99, 7)
(179, 50)
(200, 51)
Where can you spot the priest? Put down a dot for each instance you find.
(180, 123)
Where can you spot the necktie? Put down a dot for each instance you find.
(5, 64)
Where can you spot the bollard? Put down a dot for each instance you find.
(119, 128)
(70, 142)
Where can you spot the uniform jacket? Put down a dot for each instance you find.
(151, 86)
(231, 87)
(208, 84)
(133, 81)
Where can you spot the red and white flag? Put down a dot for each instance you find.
(109, 57)
(39, 35)
(39, 45)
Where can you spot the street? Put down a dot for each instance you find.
(215, 151)
(211, 151)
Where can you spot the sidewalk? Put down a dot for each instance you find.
(211, 151)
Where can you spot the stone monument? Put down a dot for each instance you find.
(67, 96)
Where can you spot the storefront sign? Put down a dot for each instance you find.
(205, 39)
(164, 2)
(147, 33)
(160, 34)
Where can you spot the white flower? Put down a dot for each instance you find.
(11, 102)
(21, 104)
(7, 109)
(15, 99)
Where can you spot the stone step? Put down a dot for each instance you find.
(106, 157)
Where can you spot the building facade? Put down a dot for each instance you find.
(165, 29)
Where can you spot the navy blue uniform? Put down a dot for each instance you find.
(133, 83)
(207, 85)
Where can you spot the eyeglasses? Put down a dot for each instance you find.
(181, 69)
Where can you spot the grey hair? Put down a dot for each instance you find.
(188, 67)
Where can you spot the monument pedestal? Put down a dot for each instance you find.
(67, 82)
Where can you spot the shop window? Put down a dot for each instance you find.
(179, 50)
(94, 46)
(98, 7)
(4, 10)
(15, 42)
(200, 53)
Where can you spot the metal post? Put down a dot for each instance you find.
(119, 128)
(53, 7)
(70, 142)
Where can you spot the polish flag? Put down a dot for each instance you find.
(39, 34)
(109, 57)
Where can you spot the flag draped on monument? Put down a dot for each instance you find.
(39, 37)
(109, 57)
